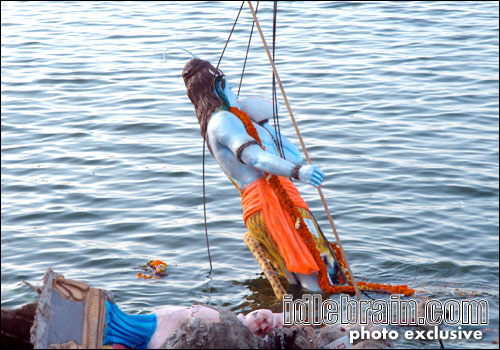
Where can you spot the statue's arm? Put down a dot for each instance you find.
(292, 153)
(261, 111)
(229, 131)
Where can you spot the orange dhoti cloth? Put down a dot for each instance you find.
(260, 196)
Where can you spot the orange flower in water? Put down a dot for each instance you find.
(303, 230)
(158, 266)
(140, 275)
(155, 263)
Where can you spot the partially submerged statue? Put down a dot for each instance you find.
(73, 315)
(281, 229)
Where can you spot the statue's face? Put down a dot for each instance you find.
(232, 98)
(220, 79)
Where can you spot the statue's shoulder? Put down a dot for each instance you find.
(258, 108)
(222, 115)
(224, 120)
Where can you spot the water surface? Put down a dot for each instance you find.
(101, 151)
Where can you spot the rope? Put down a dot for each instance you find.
(365, 293)
(205, 211)
(231, 33)
(204, 142)
(248, 48)
(277, 129)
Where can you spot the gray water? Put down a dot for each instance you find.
(102, 155)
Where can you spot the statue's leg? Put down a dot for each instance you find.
(258, 231)
(266, 267)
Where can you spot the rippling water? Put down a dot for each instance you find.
(101, 151)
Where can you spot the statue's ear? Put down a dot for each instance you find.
(257, 108)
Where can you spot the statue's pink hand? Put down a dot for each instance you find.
(259, 321)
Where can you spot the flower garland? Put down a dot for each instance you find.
(158, 267)
(289, 207)
(306, 235)
(374, 287)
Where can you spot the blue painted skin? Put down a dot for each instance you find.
(226, 133)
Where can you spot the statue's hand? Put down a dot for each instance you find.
(262, 320)
(311, 174)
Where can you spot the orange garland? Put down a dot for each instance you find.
(376, 287)
(306, 235)
(158, 266)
